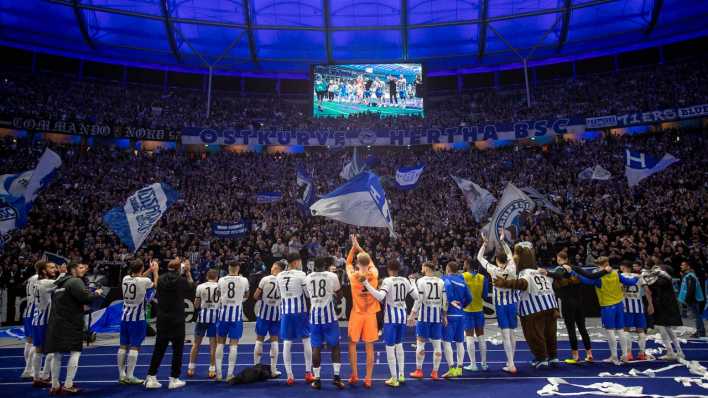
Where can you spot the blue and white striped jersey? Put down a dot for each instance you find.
(31, 294)
(270, 299)
(134, 291)
(233, 290)
(321, 287)
(208, 295)
(539, 295)
(432, 300)
(291, 285)
(44, 288)
(633, 296)
(396, 288)
(501, 295)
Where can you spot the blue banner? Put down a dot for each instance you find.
(645, 118)
(235, 230)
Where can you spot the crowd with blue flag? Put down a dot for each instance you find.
(307, 185)
(407, 176)
(641, 165)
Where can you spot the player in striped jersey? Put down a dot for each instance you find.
(474, 315)
(458, 296)
(393, 291)
(44, 288)
(323, 288)
(634, 318)
(133, 325)
(206, 301)
(233, 291)
(268, 317)
(431, 311)
(294, 322)
(30, 285)
(504, 299)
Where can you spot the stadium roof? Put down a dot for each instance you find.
(283, 37)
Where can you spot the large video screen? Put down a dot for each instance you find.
(386, 89)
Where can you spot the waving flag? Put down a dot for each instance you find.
(361, 202)
(407, 177)
(640, 165)
(305, 182)
(354, 167)
(18, 191)
(595, 173)
(509, 215)
(142, 210)
(478, 199)
(541, 199)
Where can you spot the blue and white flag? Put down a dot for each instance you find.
(361, 202)
(107, 320)
(595, 173)
(508, 216)
(407, 177)
(478, 199)
(268, 197)
(142, 210)
(54, 258)
(541, 199)
(305, 182)
(18, 191)
(354, 167)
(640, 165)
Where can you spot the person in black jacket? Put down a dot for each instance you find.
(573, 312)
(65, 332)
(171, 292)
(666, 308)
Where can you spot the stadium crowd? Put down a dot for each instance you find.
(116, 104)
(665, 216)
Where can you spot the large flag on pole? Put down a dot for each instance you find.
(141, 211)
(595, 173)
(407, 177)
(478, 199)
(361, 202)
(541, 199)
(18, 191)
(640, 165)
(354, 167)
(305, 182)
(508, 215)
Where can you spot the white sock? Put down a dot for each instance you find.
(132, 361)
(233, 354)
(400, 359)
(219, 358)
(29, 352)
(470, 349)
(666, 339)
(287, 344)
(448, 354)
(460, 354)
(437, 354)
(122, 353)
(512, 336)
(316, 371)
(71, 367)
(391, 359)
(642, 342)
(623, 342)
(419, 354)
(506, 338)
(273, 356)
(674, 338)
(482, 340)
(307, 347)
(257, 351)
(47, 366)
(36, 364)
(336, 367)
(191, 366)
(628, 339)
(56, 370)
(612, 342)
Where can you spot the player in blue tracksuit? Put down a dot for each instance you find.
(458, 297)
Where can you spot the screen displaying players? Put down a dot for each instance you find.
(386, 89)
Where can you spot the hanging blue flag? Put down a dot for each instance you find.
(408, 177)
(142, 210)
(308, 196)
(361, 202)
(640, 165)
(268, 197)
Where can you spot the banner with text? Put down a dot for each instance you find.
(233, 230)
(644, 118)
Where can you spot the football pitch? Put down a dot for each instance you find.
(336, 109)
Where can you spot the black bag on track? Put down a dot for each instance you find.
(253, 374)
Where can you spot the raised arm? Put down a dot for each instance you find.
(491, 268)
(352, 253)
